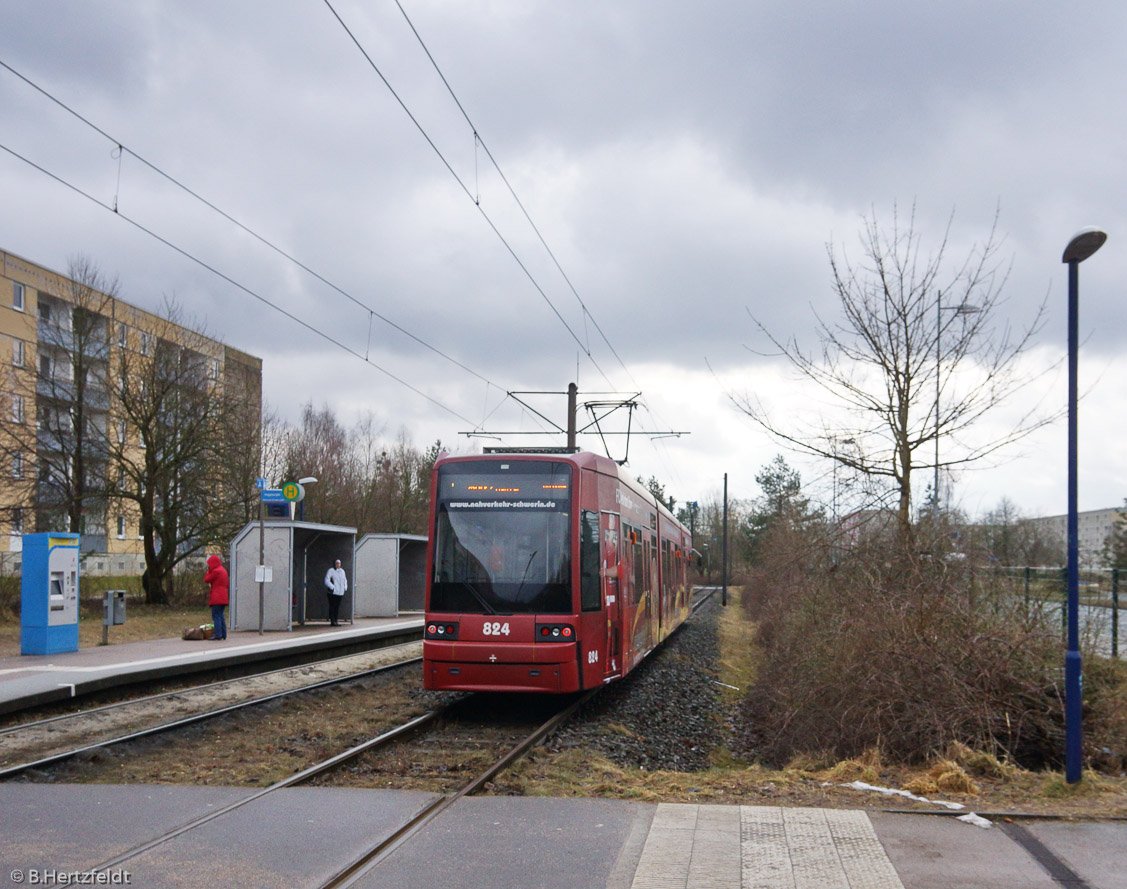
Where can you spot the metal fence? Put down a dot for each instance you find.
(1100, 614)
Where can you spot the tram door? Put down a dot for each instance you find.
(608, 533)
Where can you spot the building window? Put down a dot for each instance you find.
(45, 366)
(121, 334)
(146, 342)
(44, 312)
(17, 520)
(17, 465)
(17, 297)
(17, 408)
(121, 432)
(17, 353)
(215, 368)
(121, 527)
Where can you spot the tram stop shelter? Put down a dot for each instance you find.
(298, 555)
(390, 574)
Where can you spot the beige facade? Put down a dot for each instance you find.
(1094, 527)
(37, 314)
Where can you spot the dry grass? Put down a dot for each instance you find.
(259, 747)
(981, 781)
(142, 622)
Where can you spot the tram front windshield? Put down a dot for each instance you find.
(502, 544)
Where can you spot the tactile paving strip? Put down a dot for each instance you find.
(762, 847)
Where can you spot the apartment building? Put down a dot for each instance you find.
(66, 346)
(1094, 528)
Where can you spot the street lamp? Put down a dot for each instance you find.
(961, 309)
(835, 441)
(1083, 244)
(308, 480)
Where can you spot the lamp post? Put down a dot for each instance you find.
(836, 443)
(308, 480)
(724, 579)
(961, 309)
(1083, 244)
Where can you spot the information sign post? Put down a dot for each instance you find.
(266, 495)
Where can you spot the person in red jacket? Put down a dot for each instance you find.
(216, 577)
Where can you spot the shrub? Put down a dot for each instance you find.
(882, 647)
(10, 597)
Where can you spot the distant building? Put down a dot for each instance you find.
(39, 317)
(866, 524)
(1094, 528)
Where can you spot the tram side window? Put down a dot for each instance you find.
(666, 568)
(590, 598)
(639, 567)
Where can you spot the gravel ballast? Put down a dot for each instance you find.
(667, 713)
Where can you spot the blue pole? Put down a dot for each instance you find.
(1115, 612)
(1073, 678)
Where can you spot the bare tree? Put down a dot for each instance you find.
(918, 356)
(173, 447)
(241, 440)
(53, 433)
(320, 446)
(402, 488)
(1014, 540)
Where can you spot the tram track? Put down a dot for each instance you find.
(342, 768)
(355, 870)
(184, 691)
(361, 864)
(39, 733)
(71, 736)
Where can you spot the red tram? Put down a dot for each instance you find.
(546, 572)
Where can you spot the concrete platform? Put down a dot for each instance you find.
(301, 836)
(32, 680)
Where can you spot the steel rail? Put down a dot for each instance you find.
(187, 690)
(351, 753)
(370, 859)
(372, 856)
(11, 771)
(351, 873)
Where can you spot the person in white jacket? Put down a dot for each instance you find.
(336, 583)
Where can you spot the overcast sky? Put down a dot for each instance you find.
(686, 163)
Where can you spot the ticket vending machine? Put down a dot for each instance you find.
(49, 594)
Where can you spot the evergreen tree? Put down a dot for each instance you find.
(1115, 547)
(782, 502)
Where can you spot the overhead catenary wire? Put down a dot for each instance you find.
(587, 314)
(117, 153)
(479, 141)
(213, 270)
(120, 149)
(468, 192)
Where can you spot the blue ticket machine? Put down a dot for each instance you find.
(49, 594)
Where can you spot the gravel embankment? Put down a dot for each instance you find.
(667, 714)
